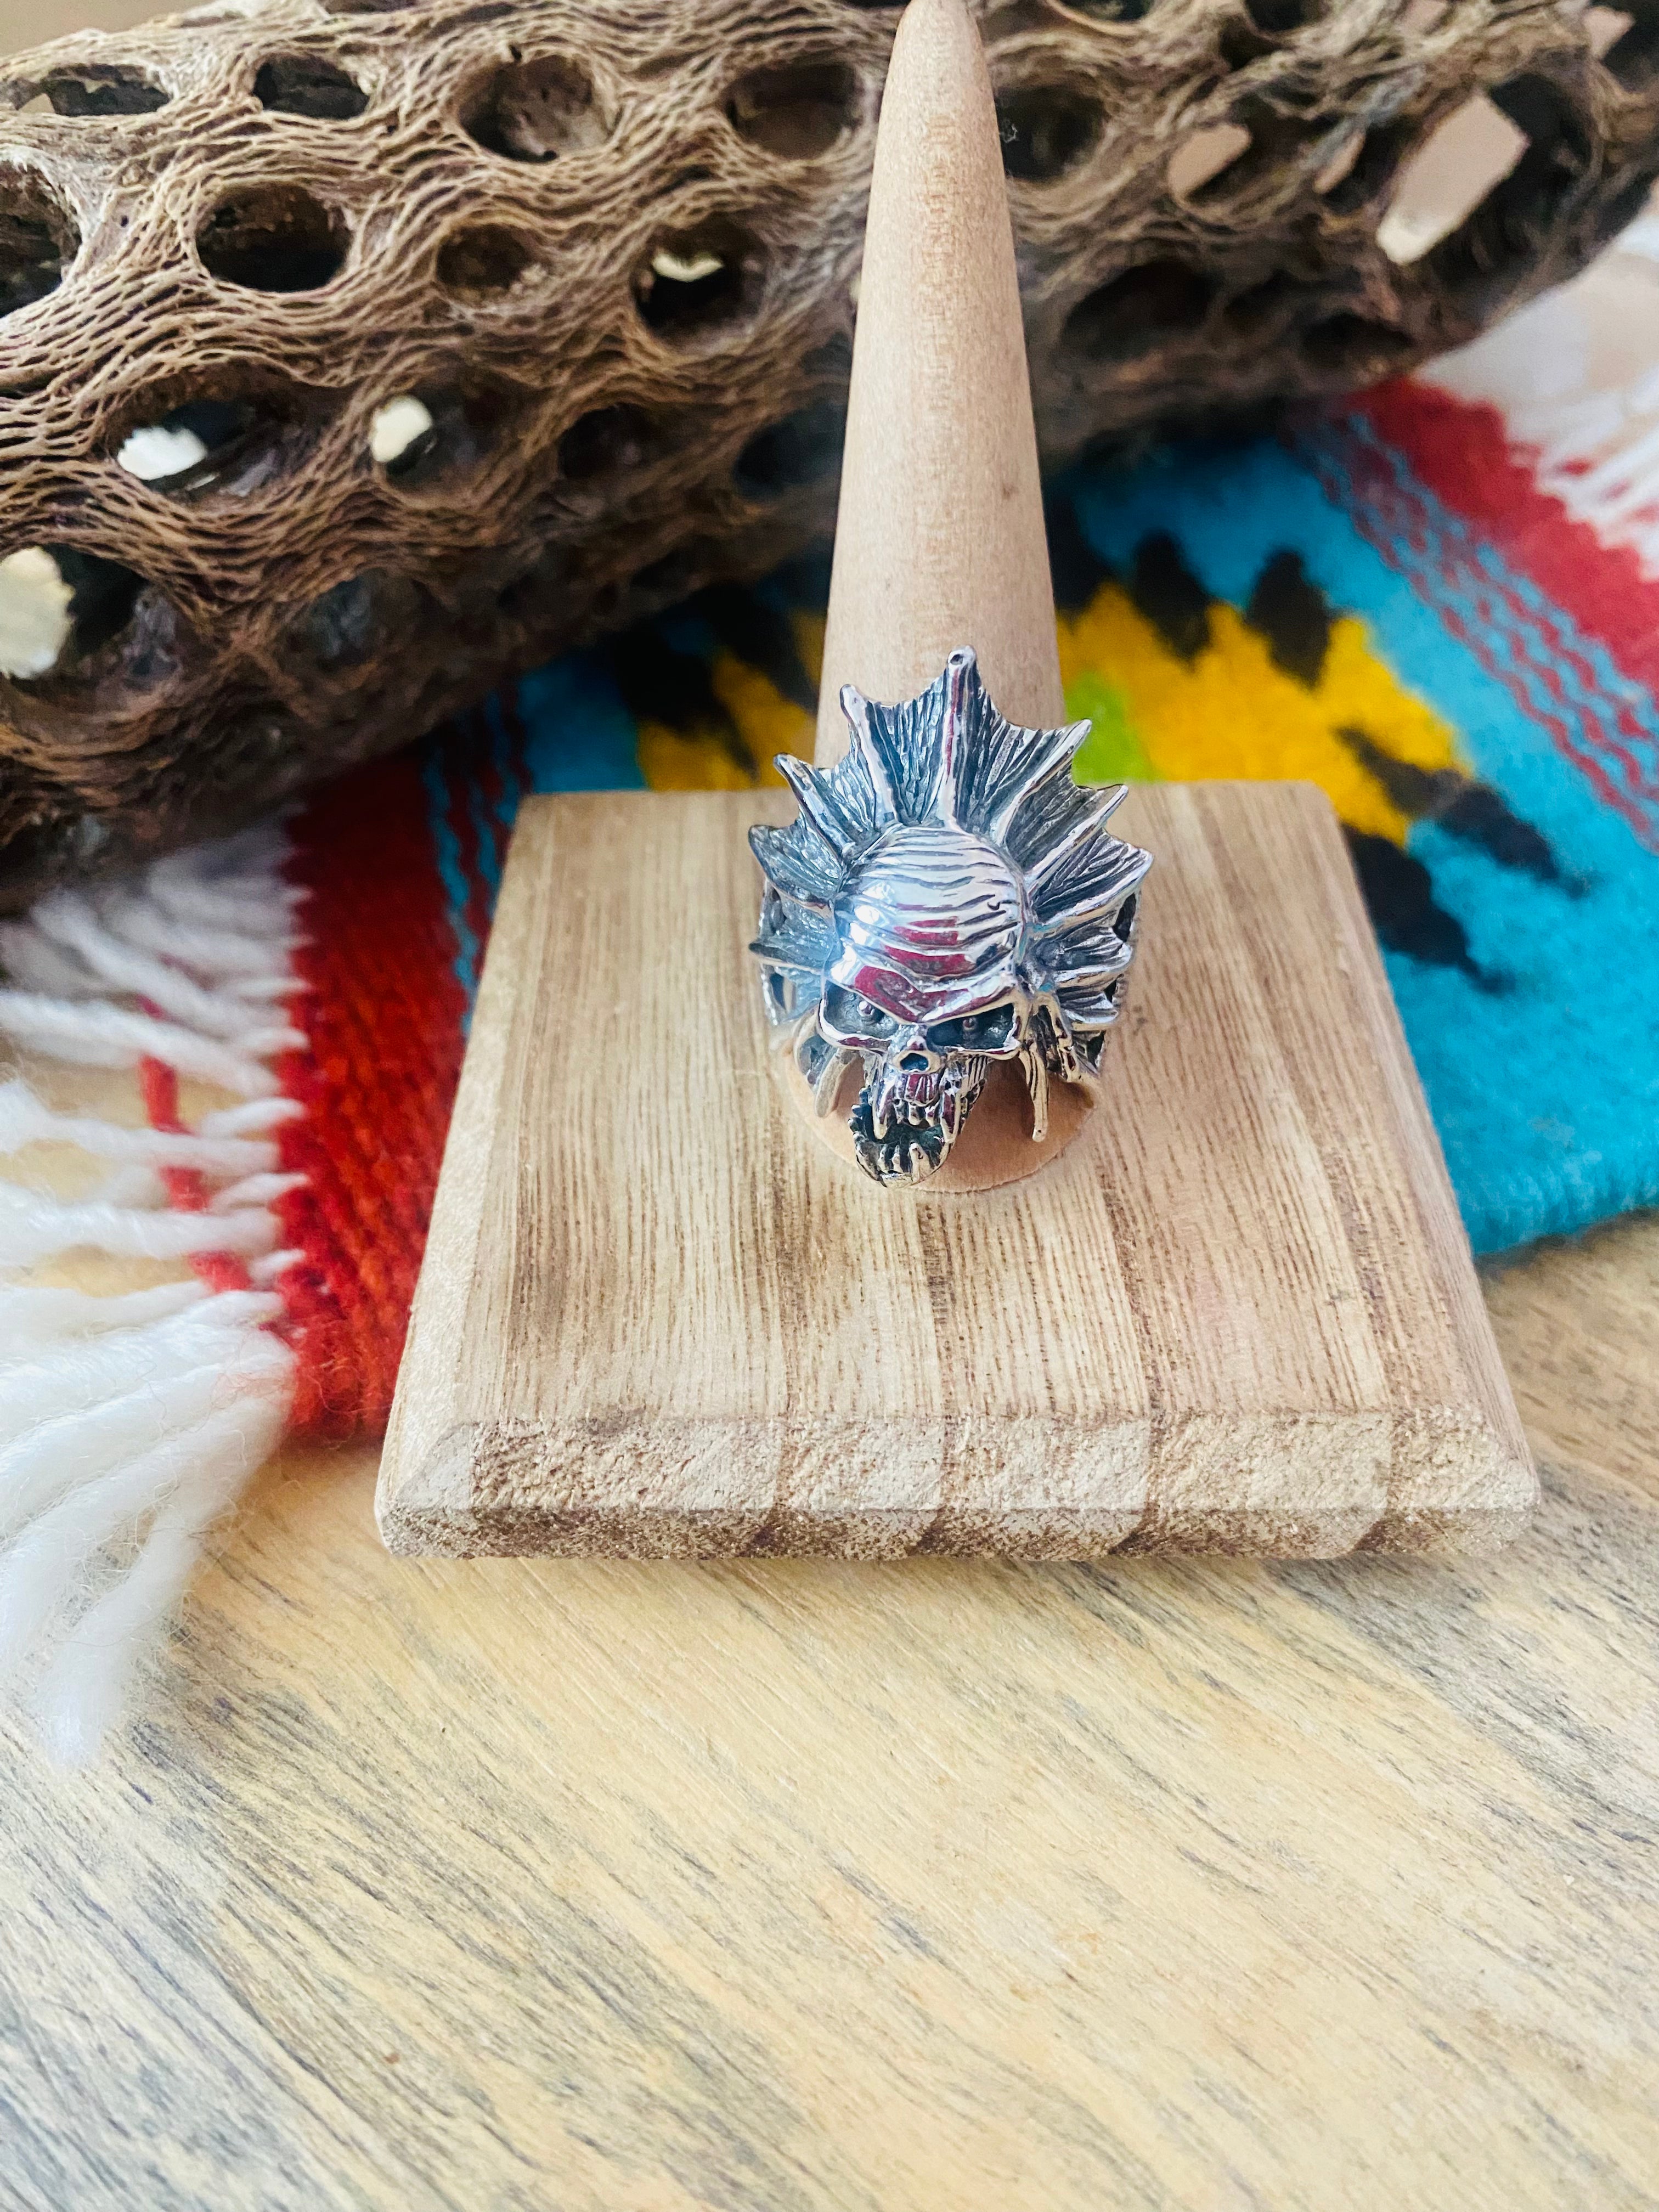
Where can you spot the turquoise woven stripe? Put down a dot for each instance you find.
(1546, 1094)
(1613, 723)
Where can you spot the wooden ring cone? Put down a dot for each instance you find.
(939, 539)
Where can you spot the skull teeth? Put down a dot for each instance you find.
(911, 1117)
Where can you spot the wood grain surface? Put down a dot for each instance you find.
(939, 538)
(558, 1886)
(657, 1319)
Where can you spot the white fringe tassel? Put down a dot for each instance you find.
(129, 1423)
(1574, 374)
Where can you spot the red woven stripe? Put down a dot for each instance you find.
(383, 1015)
(1463, 454)
(186, 1187)
(1538, 647)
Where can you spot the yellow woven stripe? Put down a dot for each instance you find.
(809, 631)
(1233, 713)
(770, 723)
(670, 761)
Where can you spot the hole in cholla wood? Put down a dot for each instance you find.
(274, 238)
(536, 111)
(701, 285)
(1047, 129)
(353, 621)
(1279, 18)
(1493, 249)
(192, 443)
(1627, 43)
(1448, 176)
(307, 85)
(795, 113)
(465, 420)
(101, 88)
(37, 239)
(609, 441)
(398, 427)
(1340, 165)
(805, 449)
(59, 608)
(1141, 309)
(1207, 155)
(483, 261)
(1605, 27)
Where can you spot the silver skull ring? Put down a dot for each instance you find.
(947, 896)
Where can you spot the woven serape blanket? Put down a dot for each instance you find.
(1436, 609)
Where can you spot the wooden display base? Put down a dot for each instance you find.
(658, 1317)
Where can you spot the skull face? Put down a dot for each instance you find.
(947, 896)
(926, 988)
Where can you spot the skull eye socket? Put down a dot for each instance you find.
(847, 1014)
(991, 1029)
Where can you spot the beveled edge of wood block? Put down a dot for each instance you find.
(871, 1489)
(515, 1488)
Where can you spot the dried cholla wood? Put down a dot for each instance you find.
(609, 248)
